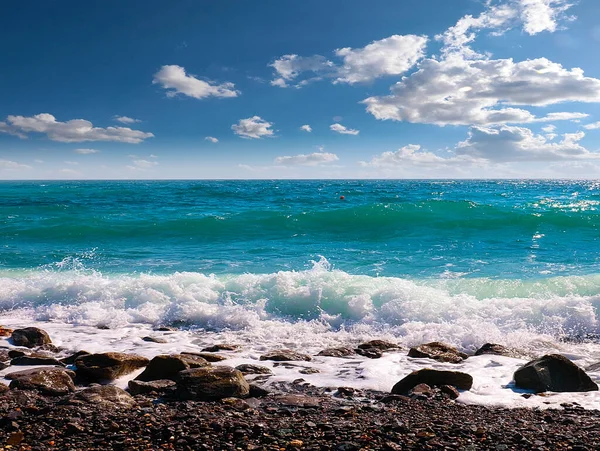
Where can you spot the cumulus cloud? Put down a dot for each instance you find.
(306, 128)
(339, 128)
(593, 126)
(542, 15)
(211, 139)
(175, 80)
(461, 91)
(413, 155)
(511, 144)
(393, 55)
(8, 165)
(253, 128)
(76, 130)
(86, 151)
(126, 120)
(313, 159)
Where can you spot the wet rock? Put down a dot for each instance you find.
(437, 378)
(206, 356)
(169, 366)
(297, 401)
(48, 381)
(249, 368)
(159, 386)
(106, 395)
(309, 371)
(421, 391)
(496, 349)
(4, 355)
(382, 345)
(285, 355)
(437, 351)
(5, 331)
(16, 353)
(71, 359)
(212, 383)
(154, 340)
(342, 351)
(449, 391)
(35, 359)
(256, 391)
(30, 337)
(553, 372)
(221, 347)
(371, 353)
(3, 366)
(109, 365)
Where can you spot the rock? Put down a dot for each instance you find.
(159, 386)
(48, 381)
(342, 351)
(3, 388)
(297, 401)
(15, 438)
(206, 356)
(421, 391)
(30, 337)
(4, 355)
(285, 355)
(154, 340)
(107, 395)
(71, 359)
(169, 366)
(450, 391)
(212, 383)
(437, 351)
(109, 365)
(382, 345)
(221, 347)
(371, 353)
(496, 349)
(593, 367)
(553, 372)
(16, 353)
(256, 391)
(3, 366)
(249, 368)
(35, 359)
(433, 378)
(309, 371)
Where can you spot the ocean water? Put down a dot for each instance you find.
(267, 264)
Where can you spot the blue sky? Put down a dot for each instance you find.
(312, 89)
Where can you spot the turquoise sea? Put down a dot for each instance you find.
(506, 255)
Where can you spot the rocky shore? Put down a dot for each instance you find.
(193, 401)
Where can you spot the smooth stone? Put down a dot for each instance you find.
(433, 378)
(30, 337)
(212, 383)
(436, 350)
(108, 365)
(107, 395)
(496, 349)
(141, 387)
(553, 372)
(35, 359)
(48, 381)
(70, 360)
(382, 345)
(168, 366)
(154, 340)
(221, 347)
(285, 355)
(206, 356)
(341, 351)
(249, 368)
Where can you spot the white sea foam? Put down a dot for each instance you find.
(313, 309)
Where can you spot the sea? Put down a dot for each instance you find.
(309, 264)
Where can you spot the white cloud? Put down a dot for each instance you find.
(393, 55)
(313, 159)
(306, 128)
(593, 126)
(176, 81)
(76, 130)
(253, 128)
(8, 165)
(126, 120)
(142, 165)
(211, 139)
(542, 15)
(413, 155)
(460, 91)
(339, 128)
(511, 144)
(549, 128)
(86, 151)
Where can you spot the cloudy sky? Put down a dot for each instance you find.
(313, 89)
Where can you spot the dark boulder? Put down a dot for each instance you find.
(70, 360)
(249, 368)
(553, 372)
(159, 386)
(382, 345)
(212, 383)
(155, 340)
(285, 355)
(496, 349)
(35, 359)
(105, 395)
(342, 351)
(371, 353)
(206, 356)
(109, 365)
(433, 378)
(30, 337)
(221, 347)
(436, 350)
(48, 381)
(169, 366)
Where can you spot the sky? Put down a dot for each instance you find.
(199, 89)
